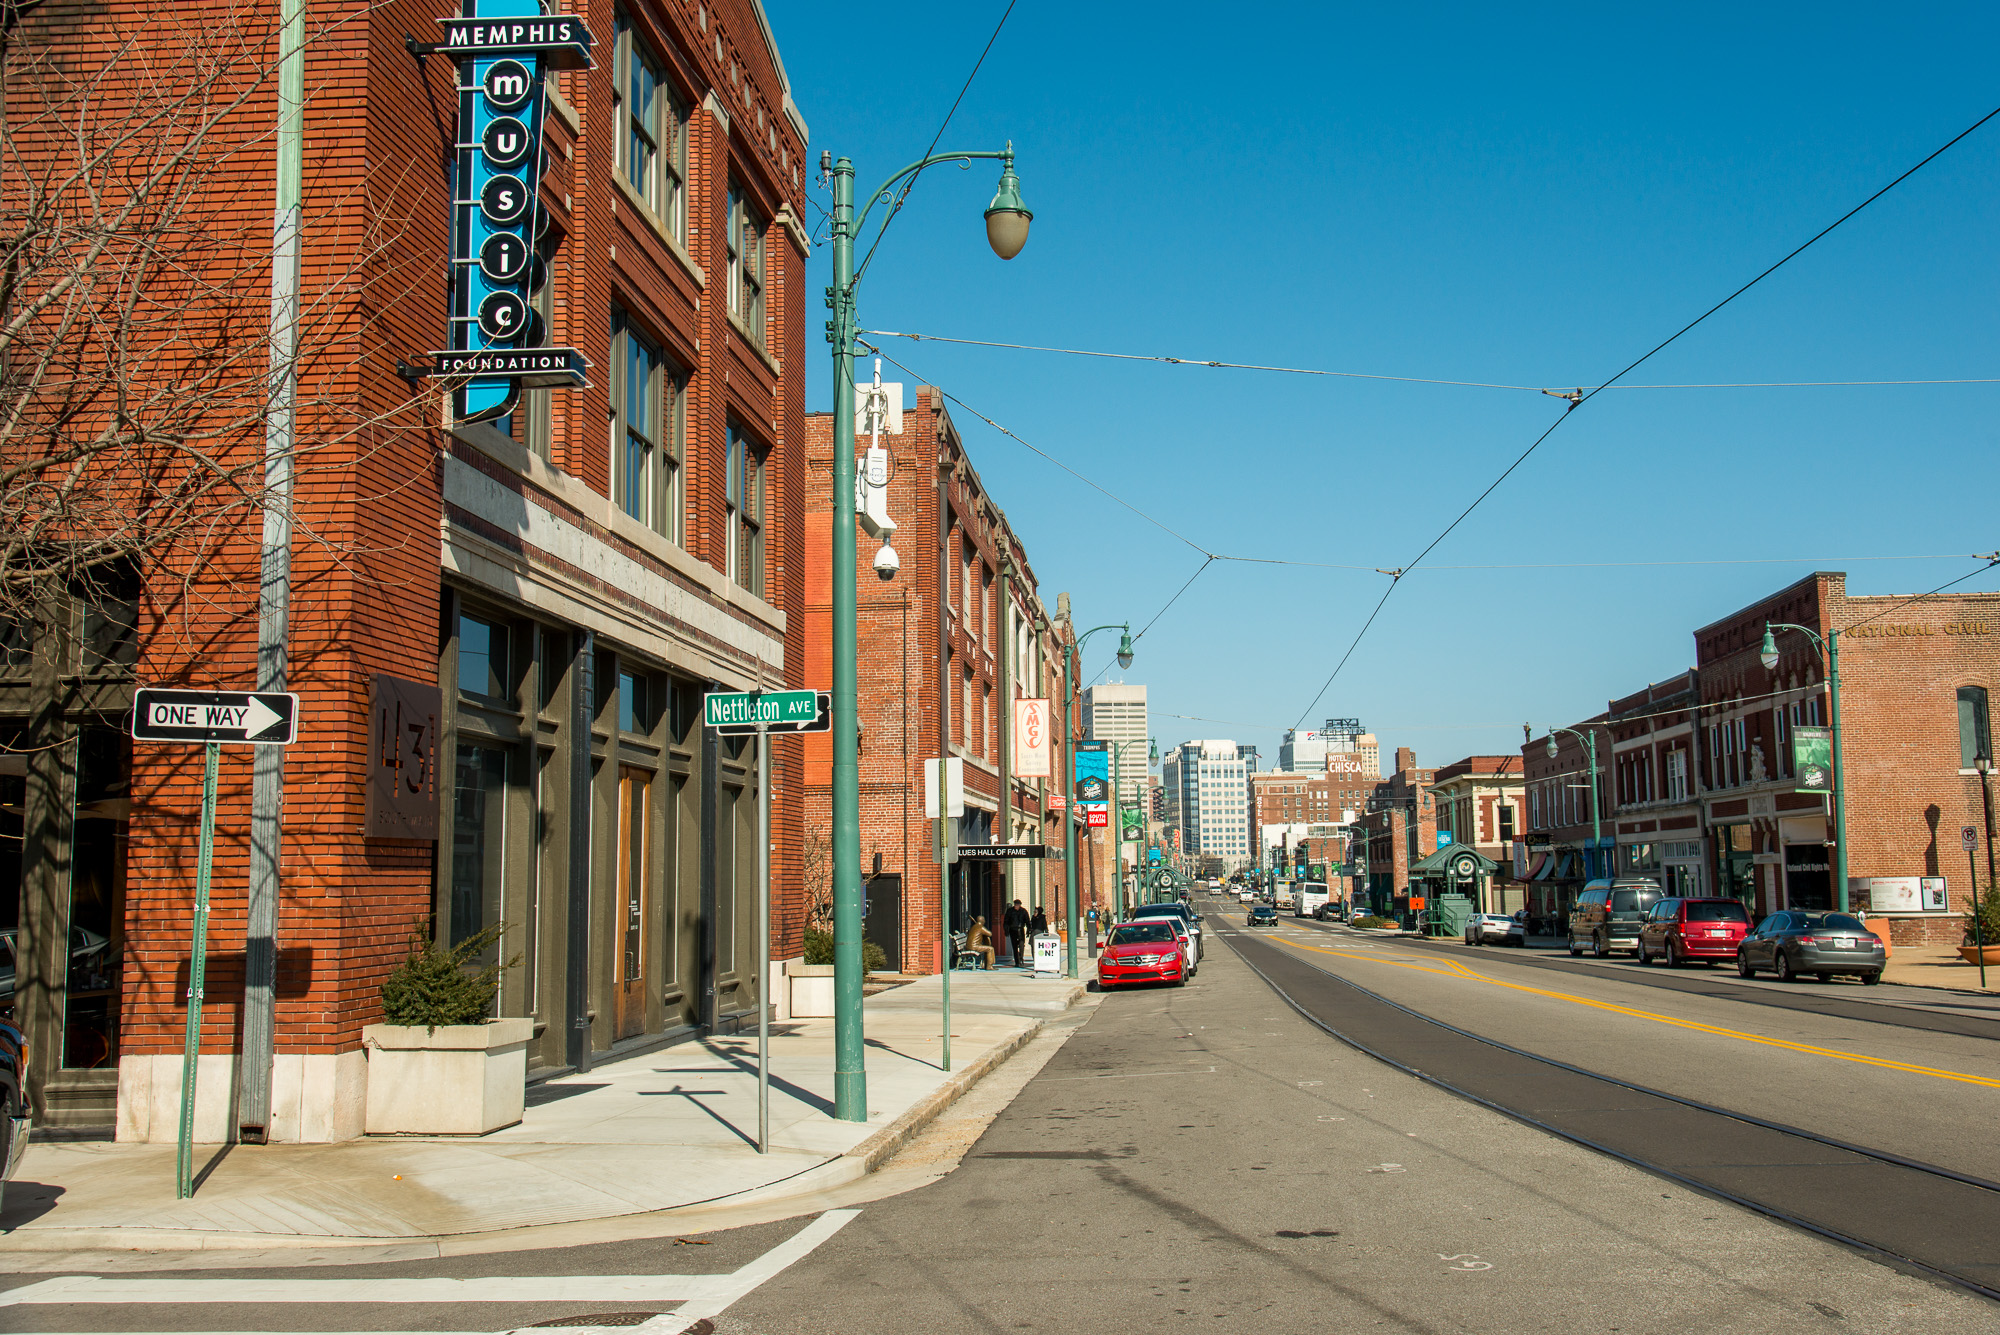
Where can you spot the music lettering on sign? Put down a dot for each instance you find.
(501, 242)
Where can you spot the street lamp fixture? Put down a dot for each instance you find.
(1070, 652)
(1589, 740)
(1007, 218)
(1007, 231)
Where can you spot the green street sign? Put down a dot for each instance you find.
(739, 713)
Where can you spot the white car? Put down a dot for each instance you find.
(1497, 928)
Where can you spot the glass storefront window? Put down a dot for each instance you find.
(482, 658)
(478, 840)
(1735, 866)
(92, 984)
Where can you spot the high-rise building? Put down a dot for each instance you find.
(1309, 750)
(1209, 782)
(1117, 714)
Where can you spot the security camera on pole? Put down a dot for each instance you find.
(1007, 222)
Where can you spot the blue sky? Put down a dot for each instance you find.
(1530, 197)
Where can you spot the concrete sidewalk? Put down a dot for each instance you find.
(661, 1132)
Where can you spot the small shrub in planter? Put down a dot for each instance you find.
(819, 950)
(434, 987)
(1370, 920)
(1987, 915)
(438, 1065)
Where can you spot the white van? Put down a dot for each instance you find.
(1308, 896)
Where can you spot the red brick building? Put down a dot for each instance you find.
(1478, 800)
(548, 596)
(1563, 841)
(1654, 785)
(1400, 826)
(943, 646)
(1915, 678)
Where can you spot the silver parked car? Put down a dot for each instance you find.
(1494, 928)
(1795, 944)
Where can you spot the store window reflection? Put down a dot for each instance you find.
(478, 840)
(103, 812)
(13, 806)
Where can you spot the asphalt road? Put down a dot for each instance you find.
(1204, 1154)
(1187, 1157)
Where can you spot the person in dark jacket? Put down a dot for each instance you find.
(1039, 924)
(1015, 923)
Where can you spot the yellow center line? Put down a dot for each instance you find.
(1454, 969)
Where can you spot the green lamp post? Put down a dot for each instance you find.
(1006, 232)
(1828, 645)
(1589, 740)
(1075, 646)
(1118, 807)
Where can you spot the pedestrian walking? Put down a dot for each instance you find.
(1039, 924)
(1015, 924)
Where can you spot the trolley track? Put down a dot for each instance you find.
(1913, 1215)
(1716, 983)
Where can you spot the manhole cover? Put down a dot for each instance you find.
(600, 1319)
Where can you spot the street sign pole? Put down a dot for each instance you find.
(197, 974)
(1970, 838)
(944, 905)
(212, 719)
(764, 938)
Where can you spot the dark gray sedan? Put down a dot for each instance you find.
(1795, 944)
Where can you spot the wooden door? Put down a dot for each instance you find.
(635, 790)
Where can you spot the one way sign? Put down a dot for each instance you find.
(260, 718)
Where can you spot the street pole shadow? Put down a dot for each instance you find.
(209, 1168)
(691, 1095)
(906, 1056)
(778, 1082)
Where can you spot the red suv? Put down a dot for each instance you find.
(1684, 930)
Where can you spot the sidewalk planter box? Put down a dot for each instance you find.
(454, 1080)
(1971, 955)
(812, 990)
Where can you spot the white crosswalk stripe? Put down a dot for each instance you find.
(698, 1296)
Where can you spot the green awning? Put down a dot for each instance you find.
(1450, 861)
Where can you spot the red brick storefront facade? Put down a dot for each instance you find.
(935, 673)
(1911, 784)
(530, 573)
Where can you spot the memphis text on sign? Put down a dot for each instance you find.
(561, 35)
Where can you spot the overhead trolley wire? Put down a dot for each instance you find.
(1416, 379)
(1580, 397)
(904, 194)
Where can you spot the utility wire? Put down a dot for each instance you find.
(910, 184)
(1102, 490)
(1211, 558)
(1581, 398)
(1156, 616)
(1416, 379)
(1178, 536)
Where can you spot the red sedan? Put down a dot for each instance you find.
(1147, 951)
(1681, 931)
